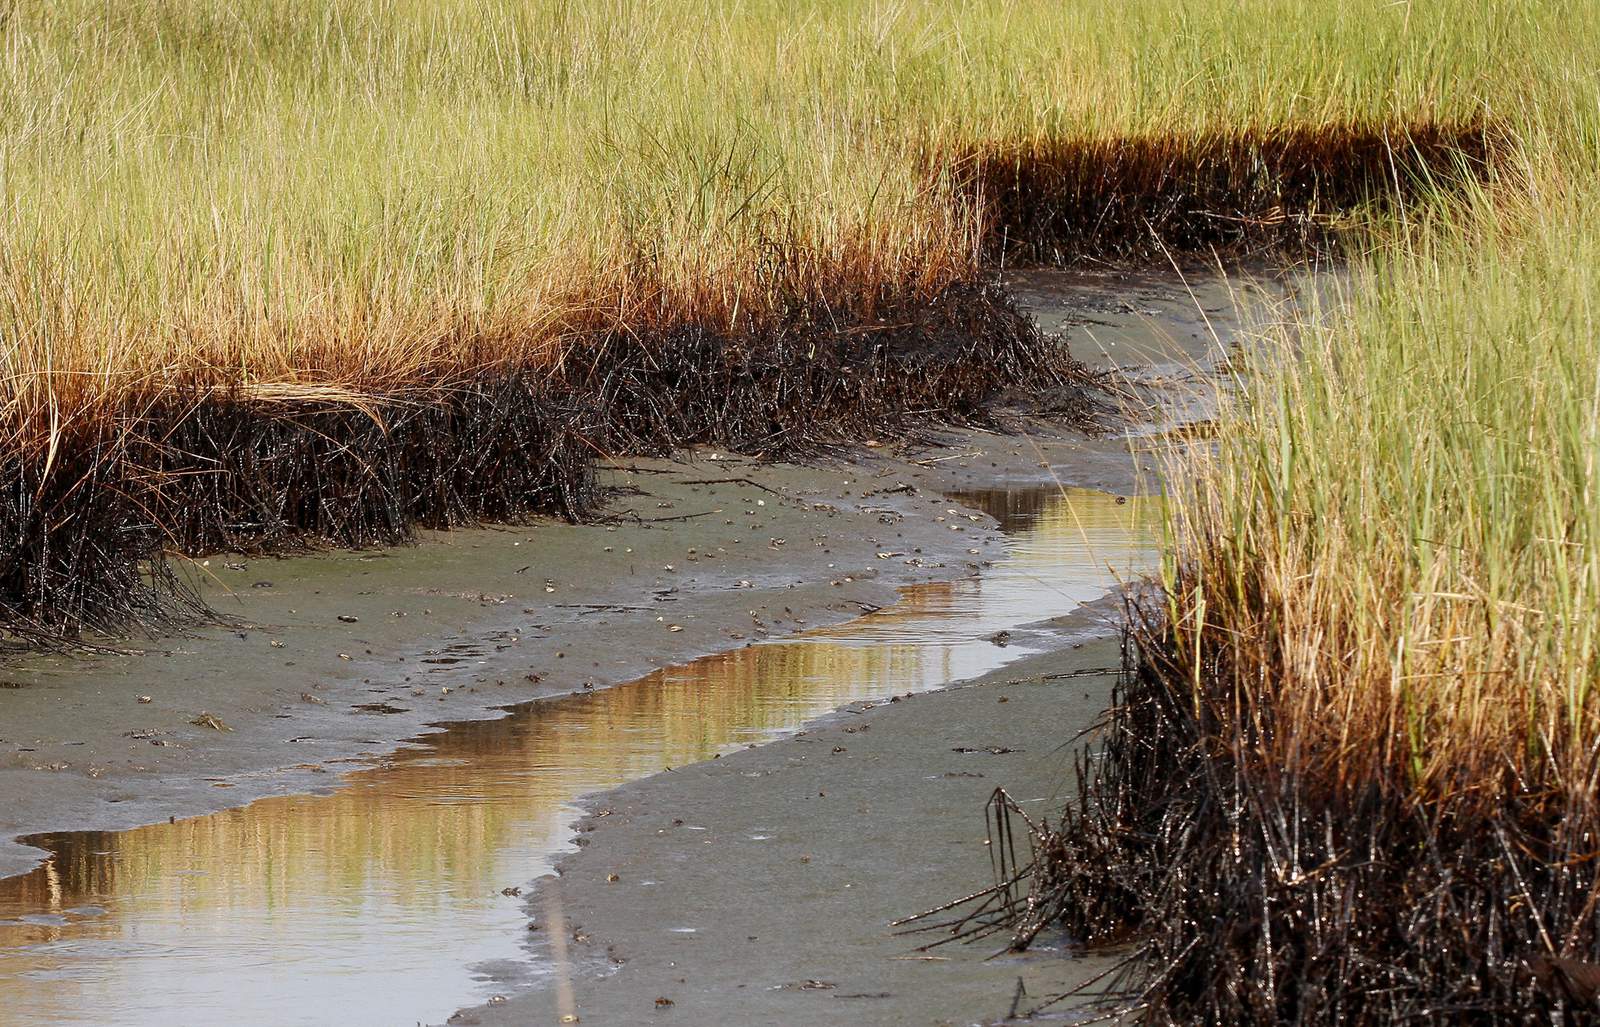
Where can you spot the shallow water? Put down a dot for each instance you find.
(382, 902)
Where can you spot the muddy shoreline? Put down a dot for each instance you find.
(336, 659)
(462, 621)
(78, 749)
(758, 888)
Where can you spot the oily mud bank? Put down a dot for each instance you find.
(88, 519)
(455, 628)
(351, 653)
(485, 608)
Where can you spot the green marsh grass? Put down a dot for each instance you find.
(359, 196)
(1352, 777)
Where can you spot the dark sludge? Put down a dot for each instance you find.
(1241, 891)
(86, 528)
(1154, 197)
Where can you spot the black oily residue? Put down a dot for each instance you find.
(198, 471)
(1150, 197)
(828, 368)
(85, 529)
(1254, 895)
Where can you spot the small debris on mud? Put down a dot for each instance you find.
(211, 721)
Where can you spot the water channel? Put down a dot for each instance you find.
(382, 902)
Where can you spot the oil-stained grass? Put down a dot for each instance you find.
(354, 195)
(1397, 535)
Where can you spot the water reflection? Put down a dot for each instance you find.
(374, 904)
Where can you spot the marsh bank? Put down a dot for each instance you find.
(813, 546)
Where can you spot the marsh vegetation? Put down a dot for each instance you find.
(308, 271)
(484, 241)
(1351, 774)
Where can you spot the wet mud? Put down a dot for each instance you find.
(417, 855)
(336, 660)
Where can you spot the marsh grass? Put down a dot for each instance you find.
(1398, 528)
(605, 216)
(616, 210)
(1351, 774)
(340, 194)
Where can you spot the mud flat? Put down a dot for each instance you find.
(757, 888)
(336, 660)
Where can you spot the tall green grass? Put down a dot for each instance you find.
(358, 194)
(1397, 539)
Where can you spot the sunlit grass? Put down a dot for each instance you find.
(338, 198)
(1395, 548)
(366, 195)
